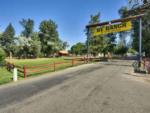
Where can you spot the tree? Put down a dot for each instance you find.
(0, 39)
(2, 56)
(103, 44)
(122, 35)
(94, 42)
(123, 11)
(94, 19)
(49, 37)
(28, 48)
(25, 38)
(145, 1)
(7, 39)
(120, 50)
(29, 42)
(24, 46)
(35, 48)
(35, 36)
(78, 49)
(65, 45)
(28, 26)
(96, 45)
(110, 42)
(132, 51)
(145, 35)
(100, 44)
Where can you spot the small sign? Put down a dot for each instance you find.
(124, 26)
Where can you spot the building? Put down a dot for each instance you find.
(63, 53)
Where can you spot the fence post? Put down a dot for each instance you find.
(54, 66)
(25, 71)
(15, 76)
(144, 63)
(84, 60)
(72, 62)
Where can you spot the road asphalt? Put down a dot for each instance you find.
(105, 87)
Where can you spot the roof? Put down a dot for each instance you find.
(63, 52)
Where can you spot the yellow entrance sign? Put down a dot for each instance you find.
(124, 26)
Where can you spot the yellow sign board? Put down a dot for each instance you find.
(124, 26)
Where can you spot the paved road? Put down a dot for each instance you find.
(93, 88)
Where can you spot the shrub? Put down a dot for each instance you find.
(121, 50)
(132, 51)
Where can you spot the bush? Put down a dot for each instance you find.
(121, 50)
(2, 56)
(132, 51)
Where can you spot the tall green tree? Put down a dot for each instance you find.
(7, 39)
(123, 12)
(94, 18)
(65, 45)
(29, 42)
(35, 42)
(145, 35)
(49, 37)
(29, 48)
(95, 42)
(0, 39)
(78, 49)
(100, 44)
(110, 41)
(120, 50)
(28, 26)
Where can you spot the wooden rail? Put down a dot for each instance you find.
(35, 69)
(146, 64)
(42, 68)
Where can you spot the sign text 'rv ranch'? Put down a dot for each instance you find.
(124, 26)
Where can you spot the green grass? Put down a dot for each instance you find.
(40, 61)
(5, 76)
(32, 62)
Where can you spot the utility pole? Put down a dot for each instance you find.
(88, 49)
(140, 41)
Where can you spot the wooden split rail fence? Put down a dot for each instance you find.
(146, 64)
(43, 68)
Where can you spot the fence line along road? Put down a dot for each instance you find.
(42, 68)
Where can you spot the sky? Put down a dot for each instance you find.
(71, 16)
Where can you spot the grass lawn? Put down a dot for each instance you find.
(32, 62)
(5, 76)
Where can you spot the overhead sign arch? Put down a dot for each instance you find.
(112, 26)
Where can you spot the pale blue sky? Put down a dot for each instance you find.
(70, 15)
